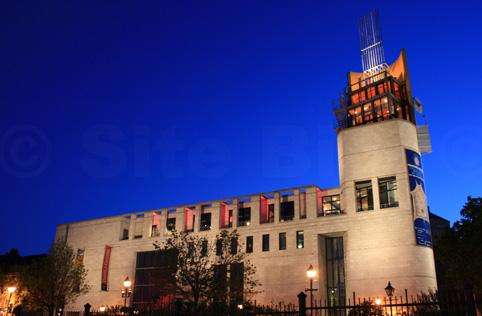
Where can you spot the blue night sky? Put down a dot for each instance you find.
(112, 107)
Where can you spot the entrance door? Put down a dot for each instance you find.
(335, 271)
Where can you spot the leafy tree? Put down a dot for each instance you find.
(55, 280)
(197, 259)
(459, 250)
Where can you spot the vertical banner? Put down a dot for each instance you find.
(423, 234)
(263, 209)
(188, 219)
(105, 268)
(223, 215)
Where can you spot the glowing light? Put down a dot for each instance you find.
(127, 283)
(378, 301)
(240, 306)
(311, 272)
(102, 309)
(11, 289)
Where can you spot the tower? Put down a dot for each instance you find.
(381, 176)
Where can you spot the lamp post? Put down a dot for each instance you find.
(389, 290)
(10, 290)
(311, 274)
(126, 291)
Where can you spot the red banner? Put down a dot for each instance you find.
(105, 268)
(263, 209)
(223, 215)
(188, 219)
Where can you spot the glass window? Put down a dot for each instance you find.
(249, 244)
(234, 246)
(205, 221)
(204, 247)
(300, 239)
(367, 112)
(331, 205)
(271, 213)
(266, 242)
(282, 241)
(388, 192)
(364, 196)
(219, 247)
(125, 234)
(287, 211)
(171, 224)
(371, 92)
(155, 231)
(244, 216)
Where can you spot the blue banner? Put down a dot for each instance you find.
(423, 234)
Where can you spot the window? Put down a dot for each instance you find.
(300, 239)
(364, 196)
(331, 205)
(287, 211)
(234, 246)
(205, 221)
(249, 244)
(155, 231)
(271, 213)
(244, 216)
(266, 242)
(204, 247)
(171, 224)
(282, 241)
(125, 234)
(219, 247)
(388, 192)
(371, 92)
(367, 112)
(335, 270)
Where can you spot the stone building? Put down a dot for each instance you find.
(372, 229)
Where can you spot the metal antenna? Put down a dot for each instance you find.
(371, 45)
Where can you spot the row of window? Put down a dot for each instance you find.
(387, 189)
(282, 244)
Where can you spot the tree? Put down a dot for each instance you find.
(196, 277)
(55, 280)
(459, 250)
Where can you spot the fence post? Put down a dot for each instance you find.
(302, 304)
(87, 309)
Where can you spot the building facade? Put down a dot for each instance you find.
(372, 229)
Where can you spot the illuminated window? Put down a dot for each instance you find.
(396, 90)
(371, 92)
(364, 196)
(367, 112)
(358, 115)
(388, 192)
(377, 108)
(331, 205)
(300, 239)
(354, 98)
(361, 95)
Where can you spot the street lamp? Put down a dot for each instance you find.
(10, 290)
(311, 274)
(389, 290)
(126, 291)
